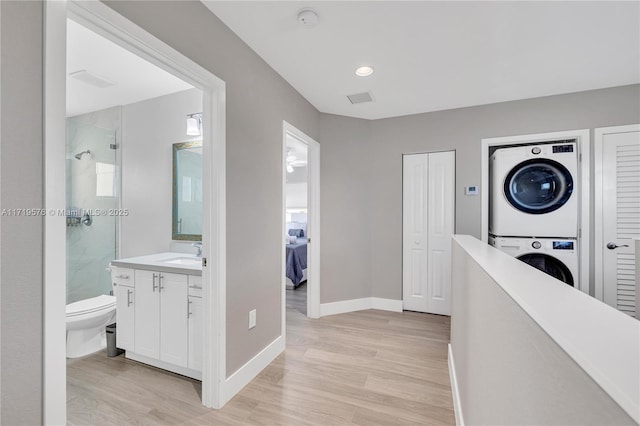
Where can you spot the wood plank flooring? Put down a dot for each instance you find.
(365, 368)
(297, 298)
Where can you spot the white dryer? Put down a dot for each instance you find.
(534, 190)
(556, 257)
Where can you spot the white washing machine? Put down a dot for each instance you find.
(553, 256)
(534, 190)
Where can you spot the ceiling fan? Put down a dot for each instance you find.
(292, 161)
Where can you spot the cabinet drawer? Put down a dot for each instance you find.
(195, 286)
(122, 276)
(167, 277)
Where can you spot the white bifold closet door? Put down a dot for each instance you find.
(428, 208)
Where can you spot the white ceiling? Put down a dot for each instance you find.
(135, 79)
(432, 56)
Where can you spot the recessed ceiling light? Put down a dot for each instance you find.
(364, 71)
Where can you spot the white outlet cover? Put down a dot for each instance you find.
(252, 319)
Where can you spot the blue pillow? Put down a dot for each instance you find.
(296, 232)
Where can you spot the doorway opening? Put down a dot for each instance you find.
(296, 203)
(300, 224)
(104, 181)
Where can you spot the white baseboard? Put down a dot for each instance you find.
(251, 369)
(386, 304)
(353, 305)
(457, 408)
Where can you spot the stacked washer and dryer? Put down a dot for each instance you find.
(534, 206)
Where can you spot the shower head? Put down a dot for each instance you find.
(80, 154)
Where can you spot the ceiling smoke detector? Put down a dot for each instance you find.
(308, 17)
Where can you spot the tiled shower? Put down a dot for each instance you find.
(93, 196)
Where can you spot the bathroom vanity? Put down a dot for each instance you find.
(159, 311)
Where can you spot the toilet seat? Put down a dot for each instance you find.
(94, 304)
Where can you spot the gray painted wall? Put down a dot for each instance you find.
(258, 99)
(21, 186)
(380, 178)
(149, 130)
(345, 197)
(509, 371)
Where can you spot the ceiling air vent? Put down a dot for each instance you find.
(359, 98)
(92, 79)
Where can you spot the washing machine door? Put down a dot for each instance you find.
(549, 265)
(538, 186)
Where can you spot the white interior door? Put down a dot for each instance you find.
(428, 222)
(618, 186)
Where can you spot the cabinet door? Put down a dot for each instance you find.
(196, 332)
(173, 319)
(125, 309)
(147, 314)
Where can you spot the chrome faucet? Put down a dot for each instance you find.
(198, 246)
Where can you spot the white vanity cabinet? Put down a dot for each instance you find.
(124, 291)
(161, 322)
(196, 323)
(160, 316)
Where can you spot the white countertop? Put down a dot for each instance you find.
(158, 262)
(603, 341)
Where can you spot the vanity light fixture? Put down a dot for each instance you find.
(194, 124)
(364, 71)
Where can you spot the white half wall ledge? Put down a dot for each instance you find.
(245, 374)
(595, 346)
(353, 305)
(457, 407)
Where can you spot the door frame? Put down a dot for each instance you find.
(313, 223)
(110, 24)
(598, 211)
(584, 149)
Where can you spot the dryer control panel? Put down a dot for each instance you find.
(563, 245)
(562, 148)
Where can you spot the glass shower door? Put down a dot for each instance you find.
(92, 203)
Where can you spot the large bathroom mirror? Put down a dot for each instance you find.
(187, 191)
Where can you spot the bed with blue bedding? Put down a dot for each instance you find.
(296, 262)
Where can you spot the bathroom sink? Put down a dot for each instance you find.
(184, 261)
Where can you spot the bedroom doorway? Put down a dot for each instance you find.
(301, 222)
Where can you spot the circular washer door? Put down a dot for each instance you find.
(538, 186)
(549, 265)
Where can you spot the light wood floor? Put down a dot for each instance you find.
(297, 298)
(367, 368)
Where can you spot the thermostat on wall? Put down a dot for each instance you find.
(471, 190)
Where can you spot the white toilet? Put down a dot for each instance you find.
(86, 322)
